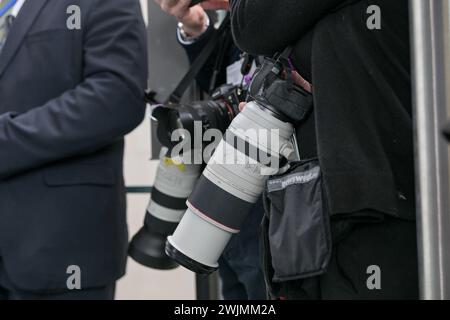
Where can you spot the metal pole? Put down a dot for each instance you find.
(430, 66)
(207, 287)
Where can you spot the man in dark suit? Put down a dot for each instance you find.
(70, 88)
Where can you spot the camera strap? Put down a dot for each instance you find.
(199, 63)
(222, 47)
(286, 54)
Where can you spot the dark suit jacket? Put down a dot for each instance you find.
(362, 92)
(67, 98)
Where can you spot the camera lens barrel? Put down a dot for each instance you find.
(174, 182)
(252, 149)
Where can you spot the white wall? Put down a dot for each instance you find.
(141, 282)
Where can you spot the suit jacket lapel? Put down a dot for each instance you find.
(19, 30)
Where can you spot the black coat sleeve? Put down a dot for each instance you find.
(193, 51)
(106, 105)
(267, 26)
(231, 55)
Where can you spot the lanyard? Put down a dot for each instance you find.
(6, 8)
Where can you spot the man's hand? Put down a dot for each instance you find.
(192, 18)
(301, 82)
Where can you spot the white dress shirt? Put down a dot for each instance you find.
(17, 7)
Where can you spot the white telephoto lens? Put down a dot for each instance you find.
(230, 185)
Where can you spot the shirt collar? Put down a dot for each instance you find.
(17, 7)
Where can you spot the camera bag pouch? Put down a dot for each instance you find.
(296, 227)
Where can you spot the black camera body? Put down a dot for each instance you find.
(216, 113)
(274, 89)
(195, 2)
